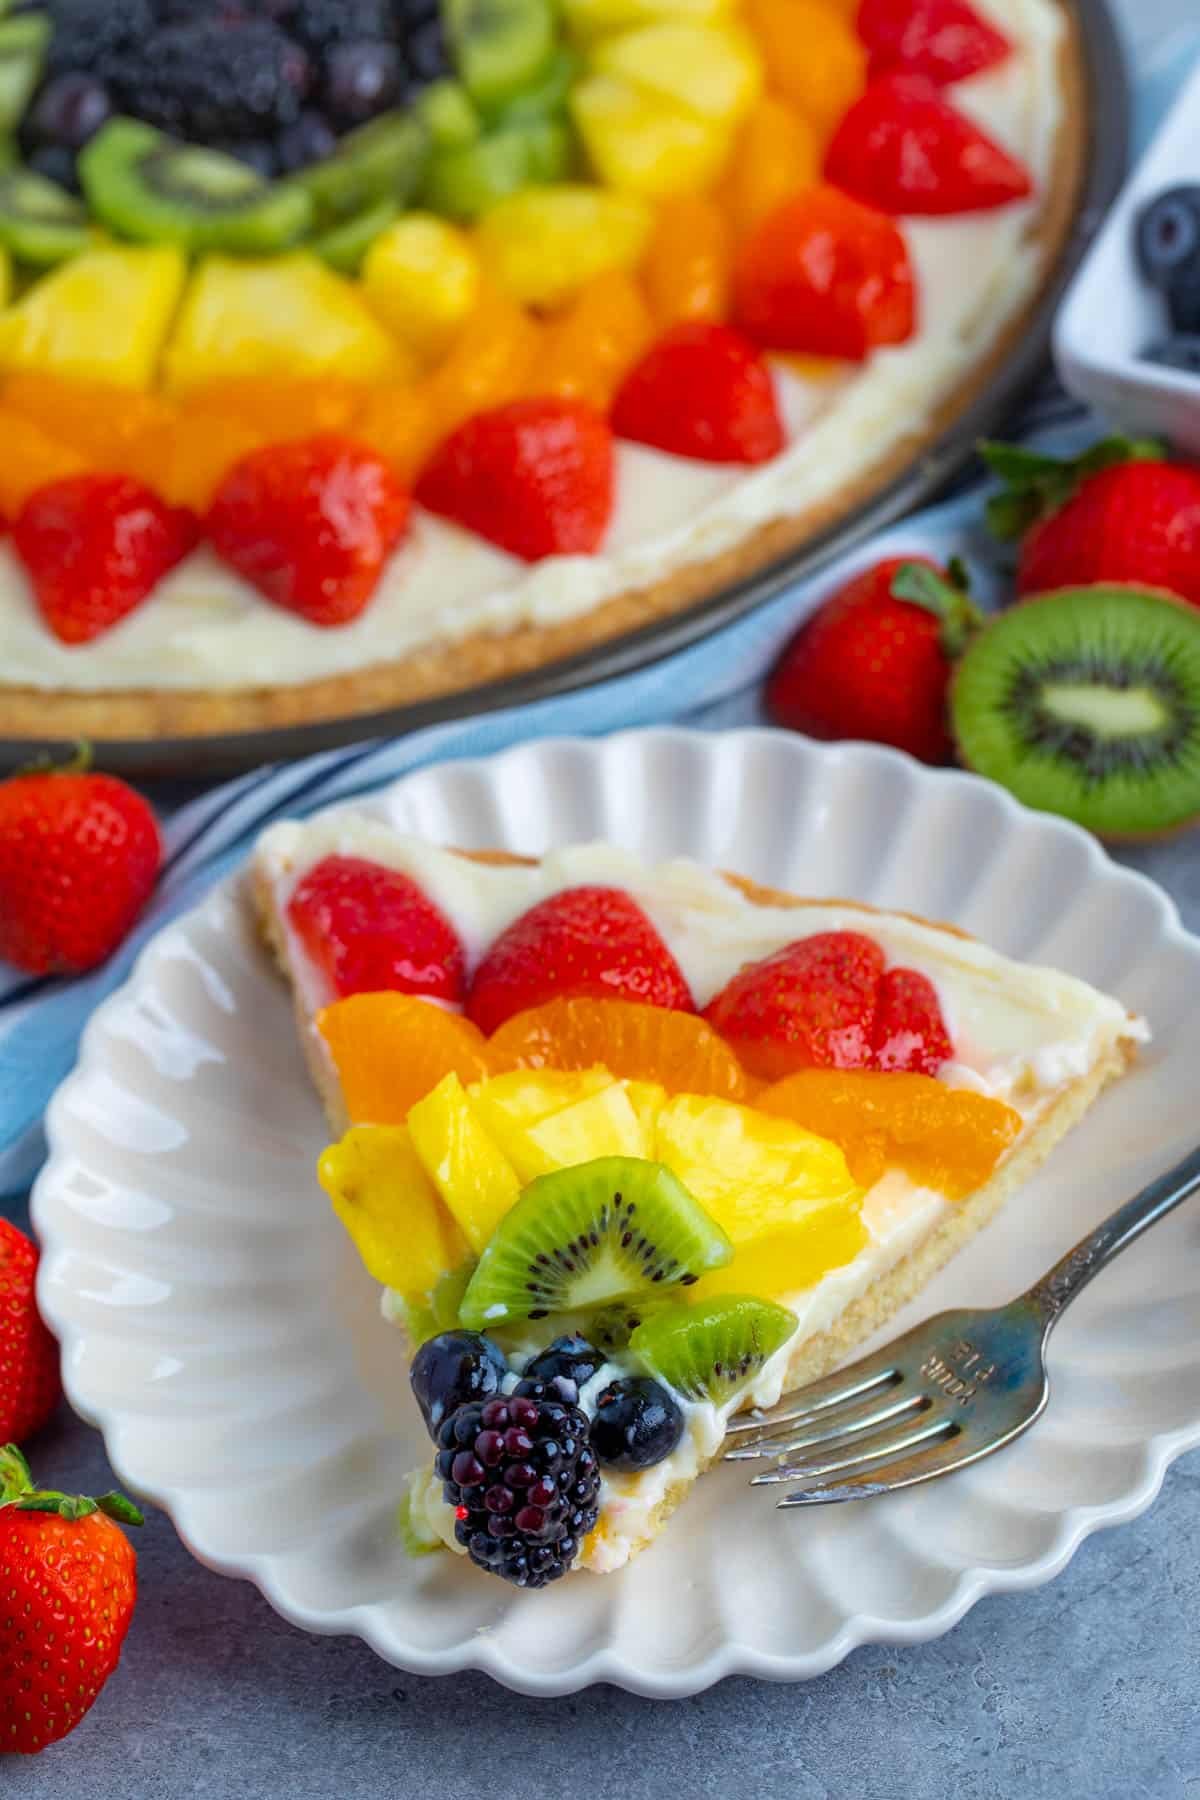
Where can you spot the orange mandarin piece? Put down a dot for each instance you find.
(488, 365)
(944, 1138)
(591, 345)
(280, 409)
(31, 459)
(813, 56)
(634, 1042)
(95, 418)
(399, 423)
(186, 458)
(390, 1050)
(777, 154)
(687, 267)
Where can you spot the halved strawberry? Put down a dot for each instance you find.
(827, 276)
(945, 40)
(535, 477)
(903, 148)
(370, 929)
(702, 391)
(910, 1032)
(587, 940)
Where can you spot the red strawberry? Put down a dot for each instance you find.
(945, 40)
(95, 547)
(311, 524)
(1118, 513)
(535, 477)
(79, 855)
(68, 1577)
(29, 1381)
(910, 1032)
(369, 928)
(874, 661)
(586, 940)
(701, 391)
(903, 148)
(825, 276)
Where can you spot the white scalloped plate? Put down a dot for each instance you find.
(218, 1329)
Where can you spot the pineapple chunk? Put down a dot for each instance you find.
(285, 315)
(644, 144)
(422, 278)
(647, 1100)
(466, 1165)
(544, 243)
(604, 1125)
(391, 1209)
(104, 316)
(713, 70)
(785, 1264)
(508, 1105)
(588, 19)
(753, 1178)
(6, 276)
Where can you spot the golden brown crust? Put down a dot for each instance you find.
(483, 658)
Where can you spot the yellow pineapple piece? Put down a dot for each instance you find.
(509, 1105)
(713, 70)
(285, 315)
(589, 19)
(422, 278)
(391, 1209)
(647, 1099)
(784, 1264)
(754, 1179)
(603, 1125)
(543, 244)
(644, 144)
(101, 316)
(464, 1162)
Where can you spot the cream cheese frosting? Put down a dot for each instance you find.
(204, 628)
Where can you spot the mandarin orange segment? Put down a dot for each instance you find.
(594, 341)
(280, 409)
(944, 1138)
(813, 57)
(185, 458)
(489, 364)
(689, 261)
(633, 1042)
(778, 152)
(97, 419)
(391, 1050)
(31, 459)
(399, 423)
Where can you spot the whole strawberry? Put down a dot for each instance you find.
(68, 1584)
(79, 855)
(874, 661)
(1117, 513)
(29, 1380)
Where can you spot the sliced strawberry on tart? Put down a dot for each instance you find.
(630, 1147)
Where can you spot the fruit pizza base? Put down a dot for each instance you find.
(485, 657)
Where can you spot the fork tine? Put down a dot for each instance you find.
(854, 1383)
(885, 1447)
(841, 1427)
(930, 1460)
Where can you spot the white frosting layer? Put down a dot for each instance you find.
(205, 628)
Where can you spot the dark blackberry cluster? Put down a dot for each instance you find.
(206, 82)
(97, 35)
(523, 1481)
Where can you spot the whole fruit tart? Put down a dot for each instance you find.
(357, 351)
(632, 1147)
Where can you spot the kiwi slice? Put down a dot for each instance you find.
(611, 1327)
(40, 223)
(412, 1523)
(498, 47)
(448, 114)
(708, 1352)
(343, 246)
(1086, 702)
(382, 160)
(464, 183)
(605, 1230)
(23, 42)
(545, 98)
(146, 186)
(427, 1314)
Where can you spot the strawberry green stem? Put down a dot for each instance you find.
(17, 1489)
(79, 763)
(948, 600)
(1034, 485)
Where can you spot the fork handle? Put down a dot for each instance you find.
(1059, 1285)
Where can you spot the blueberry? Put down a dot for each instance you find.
(428, 57)
(57, 163)
(1179, 352)
(258, 154)
(636, 1424)
(1168, 234)
(453, 1369)
(362, 79)
(565, 1365)
(69, 110)
(310, 140)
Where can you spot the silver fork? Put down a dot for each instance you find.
(946, 1393)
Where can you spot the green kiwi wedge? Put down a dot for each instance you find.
(411, 1524)
(710, 1351)
(23, 42)
(145, 186)
(611, 1327)
(545, 98)
(382, 160)
(40, 223)
(581, 1237)
(448, 114)
(1086, 702)
(498, 47)
(427, 1314)
(344, 245)
(465, 182)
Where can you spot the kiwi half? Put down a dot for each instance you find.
(708, 1352)
(1086, 702)
(581, 1237)
(40, 223)
(498, 46)
(146, 186)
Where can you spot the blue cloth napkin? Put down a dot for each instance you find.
(712, 684)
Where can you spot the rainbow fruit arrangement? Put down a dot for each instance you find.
(272, 263)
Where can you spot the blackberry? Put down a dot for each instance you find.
(636, 1425)
(561, 1369)
(427, 52)
(319, 24)
(311, 139)
(96, 36)
(56, 163)
(361, 79)
(522, 1479)
(68, 110)
(453, 1368)
(208, 82)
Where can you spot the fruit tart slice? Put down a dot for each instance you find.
(630, 1147)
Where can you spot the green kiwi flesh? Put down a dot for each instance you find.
(344, 245)
(1086, 702)
(546, 97)
(710, 1351)
(498, 47)
(611, 1327)
(145, 186)
(382, 160)
(23, 42)
(427, 1314)
(582, 1237)
(462, 183)
(448, 114)
(40, 223)
(413, 1530)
